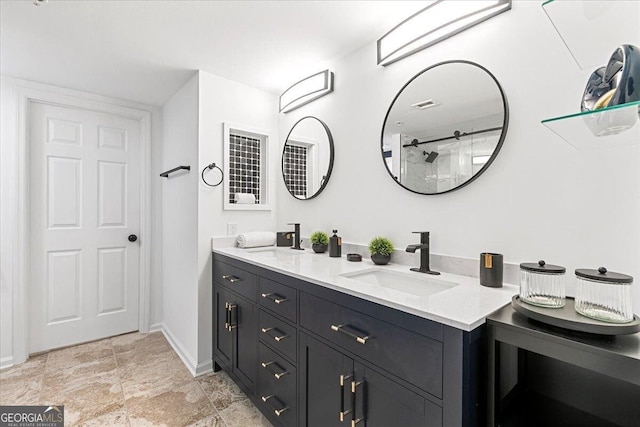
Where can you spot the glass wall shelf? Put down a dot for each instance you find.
(593, 29)
(610, 127)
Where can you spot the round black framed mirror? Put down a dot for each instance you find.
(444, 128)
(307, 158)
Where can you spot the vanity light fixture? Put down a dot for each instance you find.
(436, 22)
(306, 90)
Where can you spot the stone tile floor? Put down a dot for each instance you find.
(128, 380)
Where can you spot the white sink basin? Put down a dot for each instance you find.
(418, 284)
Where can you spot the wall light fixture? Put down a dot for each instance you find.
(306, 90)
(436, 22)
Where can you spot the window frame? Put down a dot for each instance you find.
(312, 165)
(266, 184)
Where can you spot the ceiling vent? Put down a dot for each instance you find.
(422, 105)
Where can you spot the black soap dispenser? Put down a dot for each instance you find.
(335, 245)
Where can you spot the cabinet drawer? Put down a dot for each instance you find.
(283, 408)
(236, 279)
(279, 298)
(410, 356)
(278, 334)
(277, 371)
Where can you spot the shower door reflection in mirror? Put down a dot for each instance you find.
(307, 158)
(444, 128)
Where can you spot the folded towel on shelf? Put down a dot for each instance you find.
(245, 199)
(256, 239)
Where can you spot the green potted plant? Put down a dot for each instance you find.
(319, 242)
(380, 249)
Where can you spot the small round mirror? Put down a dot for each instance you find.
(444, 128)
(307, 158)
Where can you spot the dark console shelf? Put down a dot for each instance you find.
(563, 377)
(534, 410)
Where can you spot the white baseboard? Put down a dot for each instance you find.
(156, 327)
(195, 370)
(6, 362)
(177, 347)
(204, 367)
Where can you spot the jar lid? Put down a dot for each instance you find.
(602, 275)
(542, 267)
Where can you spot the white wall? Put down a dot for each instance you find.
(223, 100)
(9, 201)
(8, 195)
(540, 199)
(180, 221)
(193, 212)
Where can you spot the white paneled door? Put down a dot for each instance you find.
(84, 204)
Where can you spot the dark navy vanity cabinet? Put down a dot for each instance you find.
(310, 356)
(235, 337)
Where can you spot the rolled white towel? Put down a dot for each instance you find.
(245, 199)
(256, 239)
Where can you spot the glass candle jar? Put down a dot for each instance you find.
(604, 295)
(542, 284)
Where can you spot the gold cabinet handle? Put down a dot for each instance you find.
(277, 375)
(354, 419)
(228, 325)
(343, 379)
(227, 319)
(358, 338)
(279, 337)
(232, 279)
(275, 298)
(278, 412)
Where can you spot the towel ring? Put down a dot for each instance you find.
(211, 166)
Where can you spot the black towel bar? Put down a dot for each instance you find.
(166, 174)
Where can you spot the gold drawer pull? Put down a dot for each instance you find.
(280, 374)
(277, 375)
(232, 279)
(358, 338)
(275, 298)
(275, 337)
(278, 412)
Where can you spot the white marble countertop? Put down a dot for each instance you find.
(464, 306)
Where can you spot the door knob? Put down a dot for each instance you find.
(133, 237)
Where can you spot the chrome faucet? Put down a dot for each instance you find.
(423, 247)
(296, 236)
